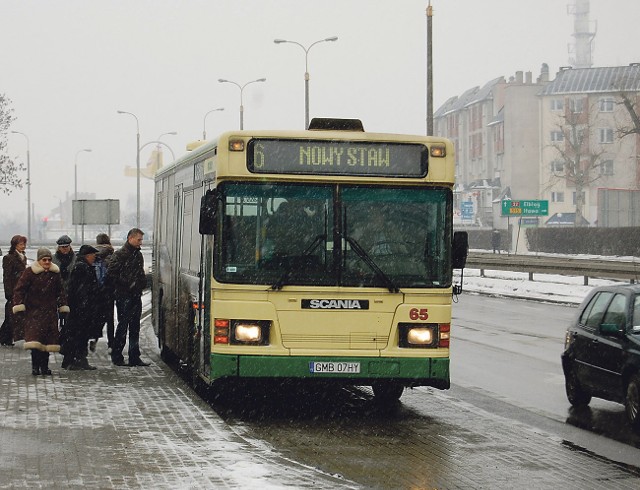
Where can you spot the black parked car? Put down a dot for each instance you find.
(601, 355)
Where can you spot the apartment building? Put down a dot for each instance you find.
(558, 140)
(590, 155)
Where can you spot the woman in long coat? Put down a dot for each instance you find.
(13, 265)
(39, 296)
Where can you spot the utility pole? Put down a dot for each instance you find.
(429, 71)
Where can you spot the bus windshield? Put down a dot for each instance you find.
(280, 234)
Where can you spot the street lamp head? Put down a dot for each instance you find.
(333, 38)
(278, 41)
(222, 80)
(261, 80)
(88, 149)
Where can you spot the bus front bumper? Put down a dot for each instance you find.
(353, 370)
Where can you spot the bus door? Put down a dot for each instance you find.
(177, 208)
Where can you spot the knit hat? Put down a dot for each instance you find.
(103, 239)
(44, 252)
(64, 240)
(87, 249)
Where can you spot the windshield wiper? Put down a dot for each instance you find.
(366, 258)
(295, 264)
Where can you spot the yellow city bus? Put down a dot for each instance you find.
(324, 254)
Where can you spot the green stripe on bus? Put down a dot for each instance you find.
(299, 367)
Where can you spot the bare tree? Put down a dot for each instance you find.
(9, 169)
(578, 163)
(630, 103)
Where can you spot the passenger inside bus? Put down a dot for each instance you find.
(378, 235)
(289, 233)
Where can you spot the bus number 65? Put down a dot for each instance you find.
(418, 313)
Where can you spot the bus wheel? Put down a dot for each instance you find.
(387, 392)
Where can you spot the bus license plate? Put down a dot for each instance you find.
(334, 367)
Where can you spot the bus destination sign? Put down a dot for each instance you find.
(360, 158)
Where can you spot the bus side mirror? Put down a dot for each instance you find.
(459, 249)
(208, 212)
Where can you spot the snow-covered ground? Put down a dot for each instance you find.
(545, 287)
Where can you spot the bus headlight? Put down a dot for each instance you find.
(418, 335)
(250, 332)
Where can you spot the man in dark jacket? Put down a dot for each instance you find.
(83, 302)
(64, 258)
(105, 297)
(126, 277)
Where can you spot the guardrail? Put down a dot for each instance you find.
(548, 264)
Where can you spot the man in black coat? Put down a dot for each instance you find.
(65, 259)
(126, 277)
(83, 303)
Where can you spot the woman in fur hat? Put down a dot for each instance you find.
(13, 265)
(39, 296)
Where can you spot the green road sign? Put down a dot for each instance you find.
(525, 208)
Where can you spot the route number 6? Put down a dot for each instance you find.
(418, 314)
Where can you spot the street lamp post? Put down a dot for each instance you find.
(306, 71)
(204, 124)
(241, 87)
(137, 166)
(28, 186)
(75, 187)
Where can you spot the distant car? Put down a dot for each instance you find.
(601, 355)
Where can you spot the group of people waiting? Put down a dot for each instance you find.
(61, 302)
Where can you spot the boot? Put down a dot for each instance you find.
(84, 365)
(44, 364)
(35, 362)
(66, 361)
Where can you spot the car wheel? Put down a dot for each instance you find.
(387, 392)
(576, 395)
(632, 402)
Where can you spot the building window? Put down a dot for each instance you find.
(578, 135)
(606, 104)
(557, 167)
(606, 135)
(557, 104)
(606, 167)
(557, 197)
(557, 136)
(576, 105)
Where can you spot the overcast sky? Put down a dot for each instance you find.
(69, 65)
